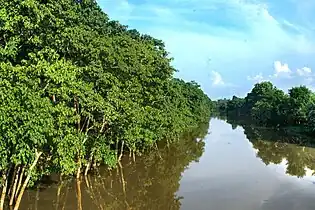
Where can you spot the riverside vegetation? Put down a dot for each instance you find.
(269, 106)
(78, 90)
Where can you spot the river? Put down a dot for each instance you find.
(231, 168)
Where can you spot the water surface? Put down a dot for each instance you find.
(231, 168)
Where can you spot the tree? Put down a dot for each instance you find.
(300, 98)
(268, 106)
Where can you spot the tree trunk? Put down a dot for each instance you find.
(19, 198)
(14, 186)
(4, 190)
(116, 148)
(121, 150)
(88, 165)
(79, 163)
(78, 172)
(20, 182)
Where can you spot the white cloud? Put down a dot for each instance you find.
(257, 78)
(284, 78)
(305, 71)
(281, 69)
(217, 79)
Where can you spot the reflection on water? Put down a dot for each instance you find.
(234, 167)
(239, 172)
(278, 147)
(300, 161)
(151, 182)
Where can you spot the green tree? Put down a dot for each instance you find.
(268, 106)
(300, 98)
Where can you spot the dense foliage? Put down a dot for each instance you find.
(77, 89)
(267, 105)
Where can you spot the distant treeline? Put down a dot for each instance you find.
(267, 105)
(77, 90)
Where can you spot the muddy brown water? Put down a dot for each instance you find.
(227, 170)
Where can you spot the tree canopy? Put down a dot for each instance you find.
(266, 105)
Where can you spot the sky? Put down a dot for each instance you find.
(229, 45)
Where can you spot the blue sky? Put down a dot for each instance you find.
(229, 45)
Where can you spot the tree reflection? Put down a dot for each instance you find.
(276, 145)
(151, 182)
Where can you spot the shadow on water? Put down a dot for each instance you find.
(151, 182)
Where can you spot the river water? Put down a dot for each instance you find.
(231, 168)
